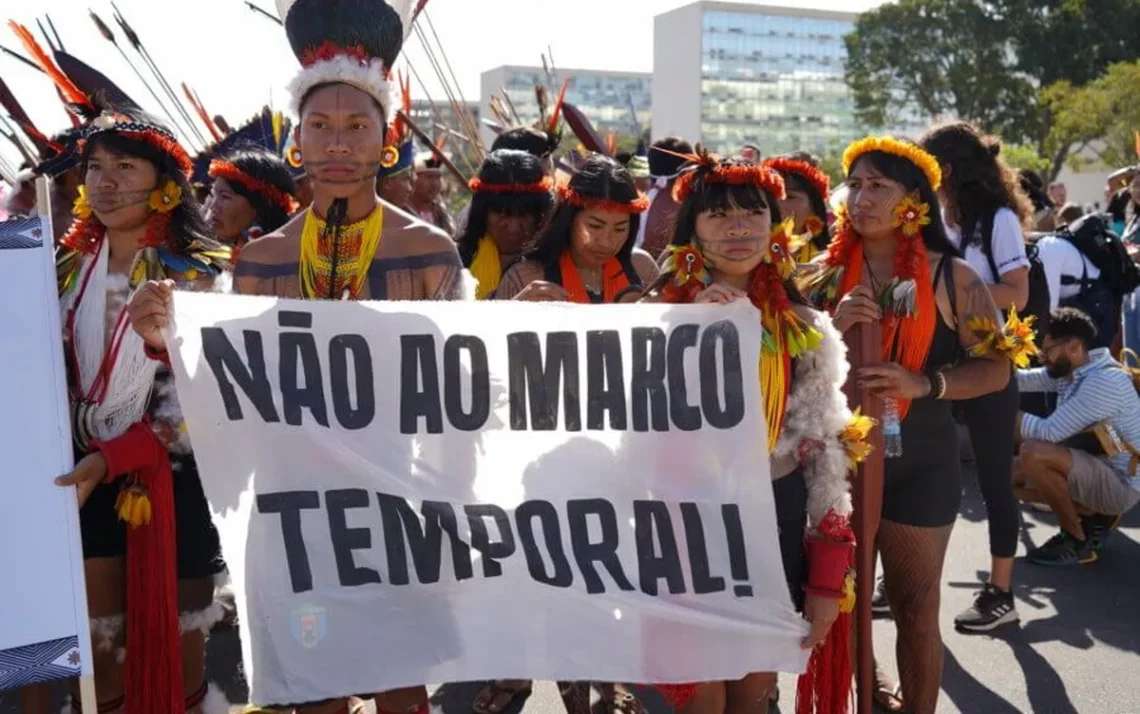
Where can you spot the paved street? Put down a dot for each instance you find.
(1077, 650)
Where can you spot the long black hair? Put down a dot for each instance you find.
(528, 139)
(979, 183)
(187, 223)
(268, 168)
(501, 168)
(796, 181)
(1033, 186)
(718, 196)
(913, 179)
(599, 178)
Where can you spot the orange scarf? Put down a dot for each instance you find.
(613, 282)
(906, 338)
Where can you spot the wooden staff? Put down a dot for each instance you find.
(263, 13)
(18, 56)
(105, 31)
(434, 149)
(864, 348)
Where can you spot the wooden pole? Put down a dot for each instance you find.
(434, 149)
(864, 349)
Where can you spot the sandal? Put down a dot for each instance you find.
(888, 699)
(575, 696)
(617, 699)
(502, 693)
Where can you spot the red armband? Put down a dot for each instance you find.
(828, 563)
(157, 355)
(137, 448)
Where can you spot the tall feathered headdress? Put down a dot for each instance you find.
(353, 42)
(267, 130)
(101, 105)
(399, 147)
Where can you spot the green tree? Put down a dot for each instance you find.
(1013, 67)
(938, 58)
(1070, 40)
(1019, 156)
(1103, 116)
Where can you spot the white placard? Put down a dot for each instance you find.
(409, 493)
(44, 633)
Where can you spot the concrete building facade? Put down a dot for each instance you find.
(609, 99)
(731, 74)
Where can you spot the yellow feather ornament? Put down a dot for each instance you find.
(486, 267)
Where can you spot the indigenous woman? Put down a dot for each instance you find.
(253, 194)
(986, 215)
(150, 548)
(586, 253)
(512, 196)
(890, 262)
(731, 244)
(807, 191)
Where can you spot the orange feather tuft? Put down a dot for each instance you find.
(202, 113)
(71, 93)
(556, 115)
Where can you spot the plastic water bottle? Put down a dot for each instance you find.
(892, 430)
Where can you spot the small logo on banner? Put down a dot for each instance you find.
(308, 625)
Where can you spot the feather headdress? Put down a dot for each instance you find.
(399, 147)
(353, 42)
(103, 106)
(267, 130)
(705, 168)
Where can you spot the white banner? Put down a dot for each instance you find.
(433, 492)
(43, 608)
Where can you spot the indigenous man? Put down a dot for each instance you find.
(347, 243)
(343, 103)
(660, 221)
(427, 193)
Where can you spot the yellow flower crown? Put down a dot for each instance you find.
(924, 161)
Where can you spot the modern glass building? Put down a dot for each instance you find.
(609, 99)
(731, 74)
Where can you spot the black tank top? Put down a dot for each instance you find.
(945, 349)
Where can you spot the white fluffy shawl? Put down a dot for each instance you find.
(817, 413)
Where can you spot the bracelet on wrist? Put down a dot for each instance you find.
(937, 385)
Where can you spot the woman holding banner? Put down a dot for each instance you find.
(731, 244)
(150, 548)
(586, 253)
(511, 198)
(891, 261)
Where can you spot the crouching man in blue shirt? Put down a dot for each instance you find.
(1089, 485)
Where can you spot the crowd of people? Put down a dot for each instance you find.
(937, 242)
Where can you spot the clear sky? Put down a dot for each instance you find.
(238, 61)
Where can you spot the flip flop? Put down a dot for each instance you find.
(494, 692)
(614, 701)
(887, 699)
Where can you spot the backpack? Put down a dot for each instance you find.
(1104, 249)
(1038, 303)
(1100, 299)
